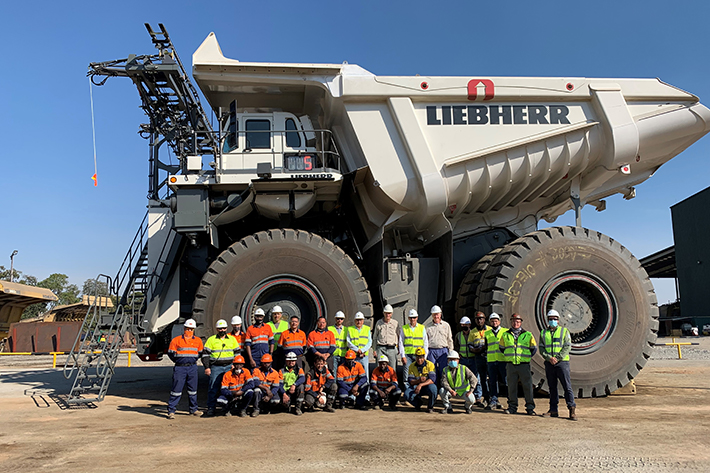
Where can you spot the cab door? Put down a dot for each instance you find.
(258, 140)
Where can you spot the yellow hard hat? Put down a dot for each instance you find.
(420, 352)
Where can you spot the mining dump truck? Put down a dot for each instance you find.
(325, 187)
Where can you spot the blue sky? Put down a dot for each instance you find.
(59, 222)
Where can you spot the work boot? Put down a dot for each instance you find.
(170, 415)
(242, 413)
(447, 411)
(531, 413)
(228, 413)
(209, 413)
(488, 407)
(195, 413)
(255, 413)
(551, 414)
(429, 410)
(572, 413)
(479, 402)
(469, 410)
(508, 411)
(297, 411)
(329, 408)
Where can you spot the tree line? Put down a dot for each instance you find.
(59, 284)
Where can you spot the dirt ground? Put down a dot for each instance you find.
(664, 427)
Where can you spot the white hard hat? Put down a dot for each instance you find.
(276, 308)
(236, 320)
(494, 316)
(339, 315)
(436, 309)
(383, 358)
(291, 356)
(465, 320)
(453, 355)
(221, 323)
(388, 308)
(259, 311)
(359, 316)
(553, 313)
(413, 314)
(190, 323)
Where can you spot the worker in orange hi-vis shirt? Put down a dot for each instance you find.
(293, 341)
(352, 382)
(267, 385)
(184, 351)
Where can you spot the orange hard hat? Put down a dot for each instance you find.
(350, 355)
(267, 358)
(238, 359)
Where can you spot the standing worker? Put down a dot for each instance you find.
(518, 347)
(293, 341)
(387, 337)
(340, 333)
(360, 341)
(477, 344)
(259, 340)
(384, 386)
(321, 344)
(320, 387)
(411, 337)
(277, 326)
(495, 361)
(294, 380)
(237, 389)
(267, 384)
(441, 341)
(458, 381)
(555, 345)
(184, 351)
(239, 334)
(422, 382)
(217, 357)
(352, 382)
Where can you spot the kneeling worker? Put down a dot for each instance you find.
(422, 381)
(458, 381)
(320, 387)
(237, 393)
(352, 381)
(267, 383)
(384, 385)
(293, 381)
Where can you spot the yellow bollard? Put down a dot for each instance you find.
(129, 359)
(54, 360)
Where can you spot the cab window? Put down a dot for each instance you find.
(293, 140)
(231, 142)
(258, 134)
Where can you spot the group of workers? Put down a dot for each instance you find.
(275, 366)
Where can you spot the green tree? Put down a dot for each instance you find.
(59, 284)
(18, 276)
(94, 287)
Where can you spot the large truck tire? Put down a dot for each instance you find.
(602, 293)
(467, 296)
(305, 274)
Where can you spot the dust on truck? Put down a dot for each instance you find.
(325, 187)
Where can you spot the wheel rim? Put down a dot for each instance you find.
(296, 296)
(586, 305)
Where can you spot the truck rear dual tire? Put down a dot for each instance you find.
(307, 274)
(604, 296)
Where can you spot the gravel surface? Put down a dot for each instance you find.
(689, 352)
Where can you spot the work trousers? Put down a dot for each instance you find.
(229, 401)
(482, 375)
(417, 399)
(183, 375)
(496, 379)
(215, 386)
(344, 394)
(438, 356)
(446, 396)
(312, 397)
(470, 363)
(337, 361)
(392, 397)
(555, 373)
(295, 398)
(390, 353)
(259, 402)
(521, 373)
(410, 359)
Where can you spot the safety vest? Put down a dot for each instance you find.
(553, 341)
(460, 384)
(341, 340)
(492, 341)
(221, 349)
(517, 351)
(413, 338)
(477, 338)
(360, 337)
(283, 326)
(463, 345)
(290, 377)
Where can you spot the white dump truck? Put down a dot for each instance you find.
(324, 187)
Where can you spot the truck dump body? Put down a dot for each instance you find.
(15, 298)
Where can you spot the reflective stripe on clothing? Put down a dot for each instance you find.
(517, 351)
(277, 331)
(240, 338)
(322, 342)
(462, 340)
(259, 335)
(293, 341)
(413, 338)
(295, 376)
(360, 338)
(235, 382)
(426, 369)
(221, 348)
(460, 384)
(341, 340)
(477, 339)
(350, 375)
(553, 342)
(185, 351)
(384, 379)
(316, 381)
(271, 379)
(492, 341)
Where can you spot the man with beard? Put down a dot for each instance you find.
(237, 389)
(217, 357)
(320, 387)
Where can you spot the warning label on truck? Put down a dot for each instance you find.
(497, 115)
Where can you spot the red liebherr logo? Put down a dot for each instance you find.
(473, 89)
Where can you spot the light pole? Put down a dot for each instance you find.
(12, 264)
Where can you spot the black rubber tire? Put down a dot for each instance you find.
(516, 281)
(242, 266)
(467, 296)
